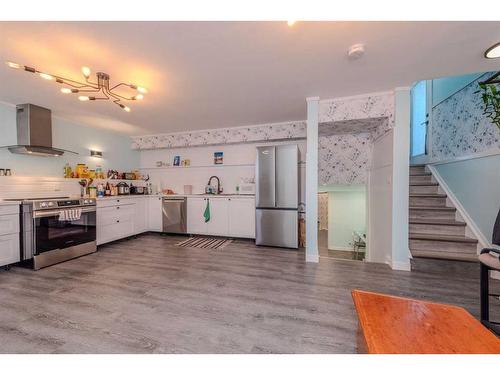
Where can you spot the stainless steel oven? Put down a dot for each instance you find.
(58, 230)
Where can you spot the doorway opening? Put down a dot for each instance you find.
(342, 221)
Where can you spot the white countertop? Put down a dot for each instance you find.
(179, 195)
(9, 203)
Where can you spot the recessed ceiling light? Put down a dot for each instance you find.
(493, 52)
(356, 51)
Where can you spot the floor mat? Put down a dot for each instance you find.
(205, 242)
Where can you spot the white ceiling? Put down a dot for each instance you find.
(205, 75)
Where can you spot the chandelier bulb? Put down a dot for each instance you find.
(138, 97)
(13, 65)
(46, 76)
(86, 71)
(83, 98)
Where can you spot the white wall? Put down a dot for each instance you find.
(379, 236)
(346, 213)
(239, 161)
(400, 178)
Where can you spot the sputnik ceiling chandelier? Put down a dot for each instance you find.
(89, 90)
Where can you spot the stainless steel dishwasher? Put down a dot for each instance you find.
(174, 212)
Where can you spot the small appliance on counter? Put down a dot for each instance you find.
(137, 190)
(123, 188)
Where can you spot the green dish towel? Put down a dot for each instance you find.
(206, 214)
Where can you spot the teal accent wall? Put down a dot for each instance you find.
(346, 213)
(68, 135)
(443, 88)
(476, 184)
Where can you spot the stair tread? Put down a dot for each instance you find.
(438, 222)
(441, 237)
(427, 195)
(440, 255)
(421, 174)
(433, 208)
(423, 183)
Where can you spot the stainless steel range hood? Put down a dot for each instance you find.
(34, 132)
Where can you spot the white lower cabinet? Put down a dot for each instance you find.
(9, 235)
(9, 249)
(228, 216)
(154, 214)
(241, 217)
(115, 222)
(195, 219)
(140, 215)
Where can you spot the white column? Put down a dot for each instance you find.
(400, 178)
(312, 254)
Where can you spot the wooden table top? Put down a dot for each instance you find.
(406, 326)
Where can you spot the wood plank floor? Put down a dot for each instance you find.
(146, 295)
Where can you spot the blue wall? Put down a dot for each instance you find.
(70, 136)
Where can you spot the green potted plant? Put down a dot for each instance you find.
(490, 94)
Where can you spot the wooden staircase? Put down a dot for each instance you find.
(434, 232)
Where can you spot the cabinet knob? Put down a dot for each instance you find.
(117, 221)
(117, 208)
(118, 200)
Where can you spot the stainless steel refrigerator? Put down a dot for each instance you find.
(277, 196)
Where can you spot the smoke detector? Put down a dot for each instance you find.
(356, 51)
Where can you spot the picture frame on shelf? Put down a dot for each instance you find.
(177, 161)
(219, 157)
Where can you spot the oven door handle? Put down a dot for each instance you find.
(56, 212)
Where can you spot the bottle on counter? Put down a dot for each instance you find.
(67, 171)
(107, 191)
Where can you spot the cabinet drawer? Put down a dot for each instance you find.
(114, 202)
(114, 231)
(9, 249)
(110, 215)
(9, 210)
(9, 224)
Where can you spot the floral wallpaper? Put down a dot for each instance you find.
(380, 105)
(256, 133)
(358, 107)
(459, 127)
(348, 127)
(344, 159)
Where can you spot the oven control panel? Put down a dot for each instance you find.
(54, 204)
(71, 202)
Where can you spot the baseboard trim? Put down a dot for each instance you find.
(401, 266)
(312, 258)
(483, 241)
(341, 248)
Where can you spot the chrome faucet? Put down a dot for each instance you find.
(219, 190)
